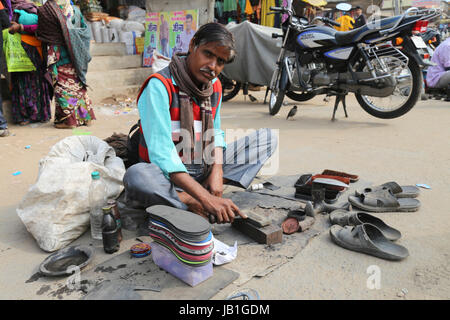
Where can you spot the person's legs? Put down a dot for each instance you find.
(146, 185)
(444, 80)
(245, 157)
(4, 132)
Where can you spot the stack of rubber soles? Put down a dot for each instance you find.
(187, 235)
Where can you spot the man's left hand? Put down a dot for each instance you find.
(214, 182)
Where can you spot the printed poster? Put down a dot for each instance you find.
(183, 25)
(151, 38)
(168, 33)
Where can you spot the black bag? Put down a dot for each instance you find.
(133, 145)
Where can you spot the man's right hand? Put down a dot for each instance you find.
(224, 209)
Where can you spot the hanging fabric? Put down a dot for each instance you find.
(267, 20)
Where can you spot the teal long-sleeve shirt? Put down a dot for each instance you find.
(154, 112)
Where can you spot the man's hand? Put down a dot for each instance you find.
(214, 182)
(15, 27)
(224, 209)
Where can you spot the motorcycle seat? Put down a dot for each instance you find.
(348, 37)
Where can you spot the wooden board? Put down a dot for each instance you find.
(265, 235)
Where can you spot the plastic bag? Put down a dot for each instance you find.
(17, 59)
(55, 210)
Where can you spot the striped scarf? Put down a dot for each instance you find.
(188, 89)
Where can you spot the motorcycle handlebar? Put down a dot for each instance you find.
(332, 22)
(276, 9)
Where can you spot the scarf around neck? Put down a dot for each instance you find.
(188, 90)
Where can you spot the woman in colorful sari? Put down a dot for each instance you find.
(31, 92)
(62, 28)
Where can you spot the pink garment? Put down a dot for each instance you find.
(30, 29)
(286, 4)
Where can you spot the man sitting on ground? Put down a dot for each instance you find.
(184, 161)
(438, 76)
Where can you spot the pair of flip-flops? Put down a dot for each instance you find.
(362, 232)
(388, 197)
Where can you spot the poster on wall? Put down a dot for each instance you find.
(183, 25)
(151, 38)
(168, 33)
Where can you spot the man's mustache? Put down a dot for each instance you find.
(211, 72)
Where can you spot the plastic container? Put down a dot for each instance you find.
(164, 259)
(97, 200)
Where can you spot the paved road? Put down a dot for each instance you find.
(412, 149)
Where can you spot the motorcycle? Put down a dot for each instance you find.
(378, 62)
(230, 88)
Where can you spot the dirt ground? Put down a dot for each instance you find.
(412, 149)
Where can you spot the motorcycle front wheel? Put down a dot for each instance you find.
(276, 95)
(405, 95)
(230, 88)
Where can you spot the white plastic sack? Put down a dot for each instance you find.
(135, 13)
(55, 209)
(159, 62)
(133, 26)
(96, 25)
(116, 24)
(105, 34)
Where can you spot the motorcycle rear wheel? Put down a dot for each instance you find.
(413, 94)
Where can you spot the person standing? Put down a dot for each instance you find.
(360, 18)
(31, 92)
(346, 22)
(164, 36)
(187, 34)
(61, 27)
(4, 21)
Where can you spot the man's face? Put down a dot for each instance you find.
(188, 24)
(358, 12)
(206, 61)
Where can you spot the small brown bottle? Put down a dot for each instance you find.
(115, 210)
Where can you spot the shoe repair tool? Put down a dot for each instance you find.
(138, 288)
(318, 204)
(256, 226)
(259, 228)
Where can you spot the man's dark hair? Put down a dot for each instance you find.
(189, 16)
(215, 32)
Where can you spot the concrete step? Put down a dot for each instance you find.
(108, 49)
(106, 63)
(118, 78)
